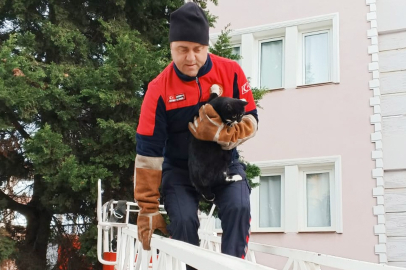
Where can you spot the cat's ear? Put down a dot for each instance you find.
(228, 107)
(243, 102)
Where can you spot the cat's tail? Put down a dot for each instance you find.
(209, 198)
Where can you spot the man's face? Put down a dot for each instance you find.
(188, 57)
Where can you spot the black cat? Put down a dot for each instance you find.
(208, 162)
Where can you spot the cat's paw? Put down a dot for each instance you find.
(232, 178)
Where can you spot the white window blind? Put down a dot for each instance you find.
(237, 51)
(271, 64)
(318, 200)
(316, 58)
(270, 201)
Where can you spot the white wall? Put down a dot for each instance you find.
(392, 54)
(391, 15)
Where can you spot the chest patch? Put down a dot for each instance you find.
(217, 88)
(176, 98)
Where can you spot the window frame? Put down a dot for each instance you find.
(255, 214)
(294, 218)
(301, 52)
(302, 198)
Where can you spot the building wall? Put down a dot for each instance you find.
(392, 66)
(319, 121)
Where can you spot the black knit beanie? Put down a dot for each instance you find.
(189, 23)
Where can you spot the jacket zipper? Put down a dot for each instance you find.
(200, 90)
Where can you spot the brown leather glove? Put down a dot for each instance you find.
(209, 127)
(148, 173)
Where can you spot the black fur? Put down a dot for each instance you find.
(208, 163)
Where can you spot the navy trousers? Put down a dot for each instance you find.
(181, 203)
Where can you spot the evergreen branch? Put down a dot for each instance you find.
(15, 206)
(14, 121)
(18, 73)
(59, 226)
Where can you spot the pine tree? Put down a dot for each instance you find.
(72, 78)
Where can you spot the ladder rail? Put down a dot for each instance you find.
(172, 254)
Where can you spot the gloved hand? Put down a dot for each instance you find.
(209, 127)
(146, 194)
(147, 224)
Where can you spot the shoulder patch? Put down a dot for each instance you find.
(245, 88)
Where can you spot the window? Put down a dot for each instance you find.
(270, 201)
(319, 197)
(291, 54)
(316, 58)
(217, 224)
(317, 194)
(271, 62)
(302, 195)
(237, 50)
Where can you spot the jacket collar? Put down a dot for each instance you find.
(202, 71)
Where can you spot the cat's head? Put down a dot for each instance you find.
(231, 110)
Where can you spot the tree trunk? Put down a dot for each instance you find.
(33, 250)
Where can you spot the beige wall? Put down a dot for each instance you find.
(319, 121)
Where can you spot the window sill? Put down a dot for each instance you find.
(262, 230)
(316, 230)
(275, 89)
(267, 230)
(315, 85)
